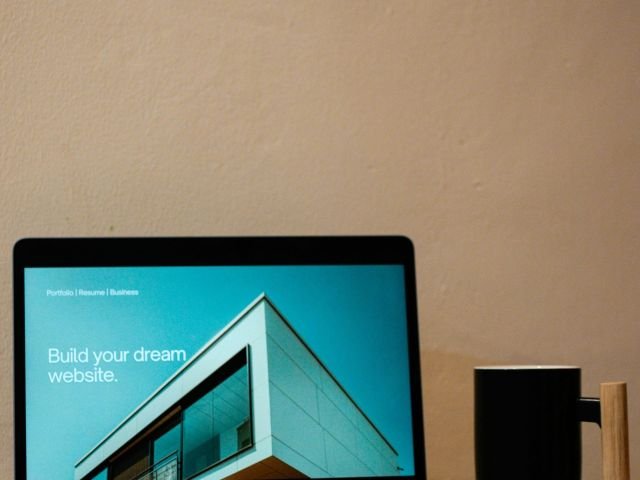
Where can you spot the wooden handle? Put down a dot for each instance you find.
(615, 431)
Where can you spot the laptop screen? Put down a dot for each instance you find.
(171, 359)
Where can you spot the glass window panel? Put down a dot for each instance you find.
(244, 434)
(131, 463)
(166, 444)
(214, 426)
(100, 476)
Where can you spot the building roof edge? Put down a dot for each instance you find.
(245, 311)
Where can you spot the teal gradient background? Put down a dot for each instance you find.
(353, 317)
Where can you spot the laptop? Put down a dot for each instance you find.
(217, 358)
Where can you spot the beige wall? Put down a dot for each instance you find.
(501, 136)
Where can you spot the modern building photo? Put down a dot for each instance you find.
(255, 402)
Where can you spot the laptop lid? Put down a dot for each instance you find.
(185, 358)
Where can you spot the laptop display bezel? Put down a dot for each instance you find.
(214, 251)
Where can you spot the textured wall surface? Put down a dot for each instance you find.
(500, 136)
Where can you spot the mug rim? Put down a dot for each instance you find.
(527, 367)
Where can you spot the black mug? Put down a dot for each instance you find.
(527, 422)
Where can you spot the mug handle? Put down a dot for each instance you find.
(610, 412)
(615, 431)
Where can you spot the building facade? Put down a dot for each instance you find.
(254, 402)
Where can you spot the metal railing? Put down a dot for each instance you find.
(168, 468)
